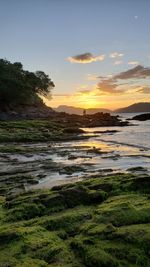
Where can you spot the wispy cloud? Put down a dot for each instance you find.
(85, 58)
(138, 72)
(84, 92)
(133, 63)
(133, 82)
(133, 76)
(91, 77)
(108, 87)
(118, 62)
(144, 90)
(60, 95)
(116, 54)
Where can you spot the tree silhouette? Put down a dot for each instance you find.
(18, 86)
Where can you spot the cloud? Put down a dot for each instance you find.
(116, 54)
(133, 63)
(66, 95)
(85, 58)
(109, 87)
(84, 92)
(83, 86)
(91, 77)
(133, 76)
(144, 90)
(138, 72)
(118, 62)
(133, 82)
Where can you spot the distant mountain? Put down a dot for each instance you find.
(79, 111)
(135, 108)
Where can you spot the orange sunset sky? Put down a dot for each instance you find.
(96, 52)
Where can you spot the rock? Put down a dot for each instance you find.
(73, 130)
(137, 169)
(96, 151)
(71, 169)
(107, 131)
(72, 157)
(142, 117)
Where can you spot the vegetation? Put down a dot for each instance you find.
(18, 86)
(97, 222)
(36, 130)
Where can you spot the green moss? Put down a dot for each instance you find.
(25, 211)
(123, 210)
(26, 262)
(98, 257)
(92, 254)
(97, 222)
(69, 221)
(138, 234)
(7, 236)
(35, 130)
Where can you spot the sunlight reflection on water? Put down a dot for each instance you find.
(127, 147)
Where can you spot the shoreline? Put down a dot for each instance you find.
(73, 200)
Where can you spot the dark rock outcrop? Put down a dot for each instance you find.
(142, 117)
(39, 110)
(71, 121)
(95, 120)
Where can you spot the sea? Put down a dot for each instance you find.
(105, 151)
(125, 150)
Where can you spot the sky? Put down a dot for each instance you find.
(97, 52)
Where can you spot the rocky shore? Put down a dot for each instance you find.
(142, 117)
(101, 220)
(41, 111)
(35, 111)
(95, 120)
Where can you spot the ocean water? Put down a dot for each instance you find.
(137, 135)
(128, 147)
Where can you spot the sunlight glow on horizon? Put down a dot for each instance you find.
(108, 102)
(82, 45)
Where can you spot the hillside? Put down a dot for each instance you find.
(20, 91)
(137, 107)
(79, 111)
(36, 109)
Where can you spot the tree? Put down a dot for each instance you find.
(18, 86)
(44, 83)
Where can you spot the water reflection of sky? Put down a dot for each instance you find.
(127, 148)
(138, 134)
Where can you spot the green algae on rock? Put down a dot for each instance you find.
(102, 221)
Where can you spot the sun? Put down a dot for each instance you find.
(87, 101)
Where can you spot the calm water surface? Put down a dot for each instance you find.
(129, 147)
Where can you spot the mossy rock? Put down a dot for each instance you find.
(104, 221)
(7, 235)
(80, 195)
(25, 212)
(141, 184)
